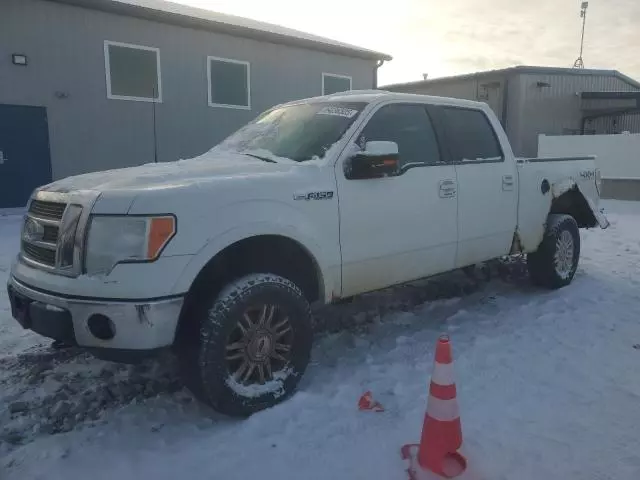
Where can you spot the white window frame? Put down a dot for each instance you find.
(224, 105)
(335, 75)
(107, 69)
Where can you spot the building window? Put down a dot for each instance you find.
(133, 72)
(332, 83)
(229, 83)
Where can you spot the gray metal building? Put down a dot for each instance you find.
(553, 101)
(90, 85)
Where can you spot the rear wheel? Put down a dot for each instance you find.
(555, 262)
(253, 345)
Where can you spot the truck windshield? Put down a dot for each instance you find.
(296, 132)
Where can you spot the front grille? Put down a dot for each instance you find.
(50, 234)
(39, 254)
(41, 246)
(50, 210)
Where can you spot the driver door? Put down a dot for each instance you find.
(398, 228)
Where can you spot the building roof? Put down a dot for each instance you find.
(521, 69)
(191, 17)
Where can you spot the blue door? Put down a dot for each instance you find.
(24, 153)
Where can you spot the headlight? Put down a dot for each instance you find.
(112, 240)
(67, 235)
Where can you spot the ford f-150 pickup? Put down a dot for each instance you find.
(316, 200)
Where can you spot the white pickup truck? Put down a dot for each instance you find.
(317, 200)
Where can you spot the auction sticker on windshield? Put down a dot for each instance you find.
(338, 112)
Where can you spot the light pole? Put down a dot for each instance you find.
(583, 14)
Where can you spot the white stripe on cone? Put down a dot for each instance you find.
(443, 374)
(443, 410)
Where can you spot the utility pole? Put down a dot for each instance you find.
(583, 14)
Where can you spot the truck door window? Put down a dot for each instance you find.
(470, 136)
(410, 127)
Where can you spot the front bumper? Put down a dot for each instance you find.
(136, 324)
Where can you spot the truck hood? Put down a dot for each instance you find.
(166, 175)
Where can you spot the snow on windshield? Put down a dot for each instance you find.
(297, 132)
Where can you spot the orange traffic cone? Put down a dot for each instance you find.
(441, 431)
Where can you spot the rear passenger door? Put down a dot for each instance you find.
(487, 189)
(398, 228)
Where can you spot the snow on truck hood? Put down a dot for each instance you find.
(210, 166)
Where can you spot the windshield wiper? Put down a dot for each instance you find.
(264, 159)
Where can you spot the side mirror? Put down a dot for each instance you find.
(378, 159)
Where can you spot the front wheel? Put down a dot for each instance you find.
(254, 345)
(555, 262)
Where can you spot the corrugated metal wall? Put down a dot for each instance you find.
(551, 104)
(456, 89)
(616, 124)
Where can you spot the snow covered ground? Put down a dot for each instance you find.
(548, 385)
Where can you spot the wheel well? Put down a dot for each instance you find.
(260, 254)
(573, 203)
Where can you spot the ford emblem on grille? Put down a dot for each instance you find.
(33, 230)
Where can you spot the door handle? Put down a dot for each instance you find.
(3, 159)
(507, 182)
(447, 188)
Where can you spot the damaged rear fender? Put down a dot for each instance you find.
(570, 199)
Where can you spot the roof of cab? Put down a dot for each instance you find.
(371, 96)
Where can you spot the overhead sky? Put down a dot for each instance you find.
(448, 37)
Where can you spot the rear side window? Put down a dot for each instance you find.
(407, 125)
(470, 136)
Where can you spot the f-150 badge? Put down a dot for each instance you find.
(313, 196)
